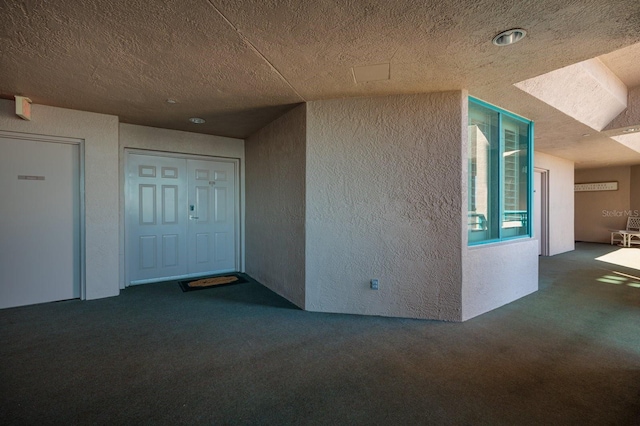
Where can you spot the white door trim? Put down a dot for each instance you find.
(69, 141)
(237, 206)
(544, 214)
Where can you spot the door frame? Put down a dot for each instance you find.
(237, 205)
(81, 187)
(544, 206)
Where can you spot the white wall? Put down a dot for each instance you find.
(275, 158)
(384, 201)
(561, 201)
(100, 135)
(155, 139)
(497, 274)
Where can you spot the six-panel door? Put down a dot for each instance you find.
(181, 217)
(211, 230)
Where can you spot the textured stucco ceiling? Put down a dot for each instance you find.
(241, 63)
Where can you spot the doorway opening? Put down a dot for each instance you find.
(541, 210)
(182, 216)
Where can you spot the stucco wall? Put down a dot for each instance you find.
(100, 135)
(275, 249)
(598, 212)
(561, 201)
(497, 274)
(156, 139)
(635, 188)
(384, 201)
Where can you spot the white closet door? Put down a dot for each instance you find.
(40, 226)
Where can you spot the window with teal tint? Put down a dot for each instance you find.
(500, 174)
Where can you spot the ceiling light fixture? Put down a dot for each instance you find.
(631, 130)
(196, 120)
(508, 37)
(171, 101)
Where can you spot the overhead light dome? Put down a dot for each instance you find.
(508, 37)
(196, 120)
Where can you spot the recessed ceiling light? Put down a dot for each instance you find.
(196, 120)
(632, 129)
(171, 101)
(508, 37)
(584, 135)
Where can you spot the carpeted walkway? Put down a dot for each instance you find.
(566, 355)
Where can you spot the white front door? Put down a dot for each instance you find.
(181, 217)
(212, 244)
(157, 221)
(40, 226)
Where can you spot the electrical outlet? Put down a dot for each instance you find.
(374, 284)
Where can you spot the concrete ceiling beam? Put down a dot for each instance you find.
(629, 118)
(587, 91)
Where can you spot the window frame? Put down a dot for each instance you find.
(501, 173)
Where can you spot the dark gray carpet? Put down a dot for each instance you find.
(568, 354)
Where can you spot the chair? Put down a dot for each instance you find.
(630, 236)
(633, 234)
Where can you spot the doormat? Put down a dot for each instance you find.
(208, 282)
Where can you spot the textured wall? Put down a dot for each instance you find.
(635, 188)
(156, 139)
(497, 274)
(384, 201)
(598, 212)
(561, 202)
(100, 134)
(275, 249)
